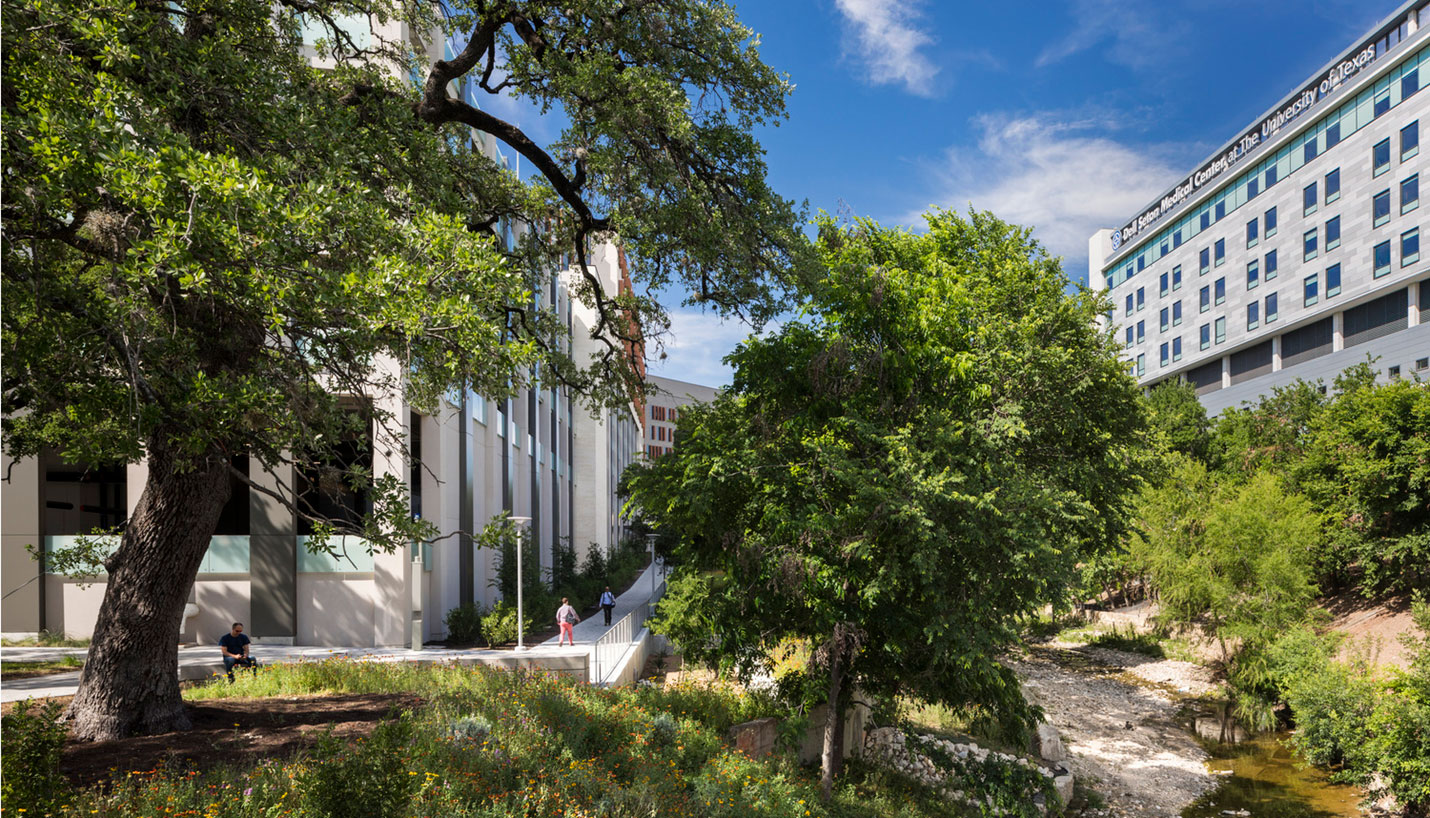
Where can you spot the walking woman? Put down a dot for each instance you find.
(567, 618)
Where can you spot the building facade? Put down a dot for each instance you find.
(1294, 250)
(663, 405)
(533, 455)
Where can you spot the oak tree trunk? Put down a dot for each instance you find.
(130, 682)
(827, 761)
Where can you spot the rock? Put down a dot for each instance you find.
(1064, 785)
(1049, 745)
(755, 738)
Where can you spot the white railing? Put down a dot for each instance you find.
(607, 652)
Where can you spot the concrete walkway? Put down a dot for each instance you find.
(593, 627)
(204, 661)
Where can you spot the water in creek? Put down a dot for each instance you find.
(1259, 775)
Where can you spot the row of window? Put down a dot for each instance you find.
(662, 413)
(1387, 92)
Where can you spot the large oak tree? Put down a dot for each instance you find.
(211, 245)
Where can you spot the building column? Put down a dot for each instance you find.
(1338, 332)
(21, 524)
(1225, 371)
(1276, 353)
(272, 556)
(1412, 310)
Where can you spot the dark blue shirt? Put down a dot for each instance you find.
(233, 644)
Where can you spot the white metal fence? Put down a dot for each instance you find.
(613, 644)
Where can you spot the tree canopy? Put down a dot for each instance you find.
(918, 459)
(217, 233)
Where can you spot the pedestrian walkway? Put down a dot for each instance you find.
(203, 661)
(593, 627)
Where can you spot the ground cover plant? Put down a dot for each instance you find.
(475, 741)
(21, 670)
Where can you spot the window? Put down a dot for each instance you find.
(1221, 210)
(1141, 298)
(1309, 244)
(1381, 103)
(1409, 140)
(1269, 223)
(1141, 331)
(1162, 282)
(1206, 220)
(1271, 308)
(1409, 194)
(1220, 253)
(1380, 208)
(1205, 257)
(1410, 83)
(1176, 239)
(1253, 187)
(1141, 365)
(1164, 353)
(1165, 319)
(1206, 299)
(1309, 199)
(1252, 232)
(1381, 255)
(1141, 263)
(1333, 185)
(1253, 274)
(1253, 315)
(1309, 151)
(1409, 247)
(1333, 233)
(1176, 313)
(1110, 282)
(1393, 372)
(1333, 280)
(1270, 177)
(1333, 135)
(1380, 157)
(1206, 335)
(1220, 325)
(1129, 338)
(1162, 248)
(1269, 267)
(1177, 278)
(1177, 349)
(1312, 287)
(1220, 290)
(1129, 304)
(1422, 363)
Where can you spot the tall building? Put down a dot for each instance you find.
(1293, 251)
(663, 405)
(532, 455)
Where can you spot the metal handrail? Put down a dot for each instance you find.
(607, 651)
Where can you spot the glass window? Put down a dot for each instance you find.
(1177, 313)
(1205, 257)
(1333, 134)
(1220, 326)
(1309, 244)
(1311, 288)
(1333, 280)
(1308, 152)
(1270, 223)
(1165, 316)
(1220, 290)
(1205, 335)
(1410, 194)
(1253, 187)
(1206, 220)
(1176, 239)
(1253, 274)
(1177, 349)
(1110, 283)
(1271, 308)
(1130, 337)
(1409, 247)
(1221, 210)
(1177, 278)
(1141, 364)
(1309, 199)
(1129, 304)
(1141, 331)
(1141, 262)
(1163, 281)
(1206, 299)
(1333, 233)
(1269, 267)
(1380, 157)
(1220, 252)
(1163, 247)
(1270, 177)
(1380, 208)
(1253, 232)
(1409, 140)
(1381, 103)
(1410, 83)
(1164, 353)
(1141, 297)
(1253, 315)
(1381, 256)
(1333, 185)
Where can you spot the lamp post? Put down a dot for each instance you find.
(650, 539)
(521, 524)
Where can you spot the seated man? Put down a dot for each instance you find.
(234, 646)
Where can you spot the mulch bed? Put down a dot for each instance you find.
(242, 732)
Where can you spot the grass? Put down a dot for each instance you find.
(494, 743)
(46, 639)
(25, 670)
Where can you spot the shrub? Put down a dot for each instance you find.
(464, 623)
(499, 626)
(365, 781)
(30, 779)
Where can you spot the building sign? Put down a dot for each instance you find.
(1253, 139)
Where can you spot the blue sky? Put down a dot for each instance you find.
(1065, 115)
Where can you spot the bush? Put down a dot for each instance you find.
(364, 781)
(464, 624)
(499, 626)
(30, 779)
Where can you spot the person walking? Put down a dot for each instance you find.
(567, 618)
(608, 604)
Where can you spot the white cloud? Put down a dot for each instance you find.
(695, 345)
(1137, 33)
(886, 37)
(1065, 178)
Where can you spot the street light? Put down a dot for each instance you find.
(520, 523)
(650, 539)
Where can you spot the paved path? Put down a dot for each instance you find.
(203, 661)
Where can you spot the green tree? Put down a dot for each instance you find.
(899, 474)
(1179, 418)
(210, 246)
(1271, 434)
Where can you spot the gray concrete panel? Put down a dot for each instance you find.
(273, 557)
